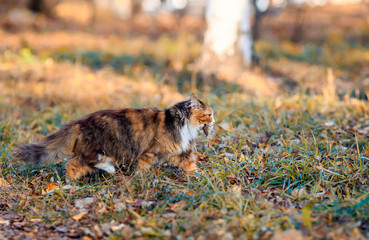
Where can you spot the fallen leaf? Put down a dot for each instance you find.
(73, 235)
(190, 192)
(119, 206)
(327, 193)
(72, 189)
(36, 220)
(101, 208)
(98, 231)
(19, 224)
(232, 179)
(51, 187)
(4, 222)
(298, 193)
(147, 230)
(84, 203)
(10, 216)
(342, 149)
(127, 232)
(118, 227)
(228, 236)
(79, 216)
(22, 201)
(147, 204)
(246, 148)
(35, 180)
(366, 152)
(219, 221)
(306, 215)
(236, 189)
(292, 234)
(229, 155)
(214, 141)
(106, 227)
(266, 204)
(169, 215)
(329, 123)
(3, 183)
(130, 200)
(225, 125)
(178, 206)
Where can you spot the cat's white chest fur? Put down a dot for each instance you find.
(188, 134)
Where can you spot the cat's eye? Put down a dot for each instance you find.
(209, 115)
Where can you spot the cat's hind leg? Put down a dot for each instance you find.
(145, 161)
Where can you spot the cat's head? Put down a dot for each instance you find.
(202, 115)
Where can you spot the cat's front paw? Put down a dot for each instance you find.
(189, 167)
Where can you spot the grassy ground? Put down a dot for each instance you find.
(291, 166)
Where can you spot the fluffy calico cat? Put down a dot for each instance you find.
(107, 138)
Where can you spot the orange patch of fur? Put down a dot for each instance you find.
(75, 170)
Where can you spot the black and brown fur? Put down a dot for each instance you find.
(126, 136)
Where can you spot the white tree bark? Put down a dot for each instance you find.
(228, 31)
(245, 38)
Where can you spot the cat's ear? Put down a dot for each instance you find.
(194, 101)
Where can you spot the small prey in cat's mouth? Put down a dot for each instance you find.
(207, 129)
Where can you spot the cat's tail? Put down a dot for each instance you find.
(52, 149)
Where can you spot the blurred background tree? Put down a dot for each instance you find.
(227, 40)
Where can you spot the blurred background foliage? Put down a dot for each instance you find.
(295, 41)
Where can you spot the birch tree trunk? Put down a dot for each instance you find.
(228, 39)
